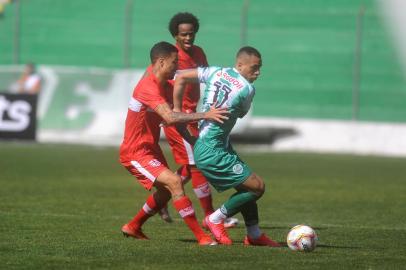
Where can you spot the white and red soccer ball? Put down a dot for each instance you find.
(302, 238)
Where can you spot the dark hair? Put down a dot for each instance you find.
(249, 50)
(161, 49)
(182, 17)
(31, 65)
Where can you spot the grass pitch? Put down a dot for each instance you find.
(62, 207)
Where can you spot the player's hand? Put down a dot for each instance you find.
(217, 114)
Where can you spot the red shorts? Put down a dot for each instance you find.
(146, 168)
(182, 151)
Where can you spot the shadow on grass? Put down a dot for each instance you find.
(334, 246)
(238, 242)
(289, 227)
(188, 240)
(283, 244)
(273, 227)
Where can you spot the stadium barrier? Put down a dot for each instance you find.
(89, 106)
(82, 105)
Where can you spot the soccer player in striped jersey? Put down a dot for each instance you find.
(231, 89)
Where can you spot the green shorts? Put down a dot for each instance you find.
(223, 168)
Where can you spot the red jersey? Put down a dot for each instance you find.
(195, 59)
(142, 129)
(182, 150)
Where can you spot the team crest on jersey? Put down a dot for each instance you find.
(154, 163)
(238, 169)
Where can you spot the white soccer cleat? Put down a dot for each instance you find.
(230, 222)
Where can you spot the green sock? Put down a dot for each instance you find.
(233, 205)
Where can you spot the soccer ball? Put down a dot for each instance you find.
(302, 238)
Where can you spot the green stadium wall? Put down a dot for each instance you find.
(308, 48)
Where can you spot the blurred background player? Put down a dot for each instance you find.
(229, 88)
(30, 80)
(183, 27)
(140, 153)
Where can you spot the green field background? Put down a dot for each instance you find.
(308, 47)
(62, 207)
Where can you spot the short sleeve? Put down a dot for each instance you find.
(205, 73)
(149, 95)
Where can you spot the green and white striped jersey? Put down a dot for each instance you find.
(226, 88)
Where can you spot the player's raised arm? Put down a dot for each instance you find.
(181, 80)
(170, 117)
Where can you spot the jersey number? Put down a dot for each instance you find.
(221, 93)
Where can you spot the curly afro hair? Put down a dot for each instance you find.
(182, 17)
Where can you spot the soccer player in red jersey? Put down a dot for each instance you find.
(183, 27)
(140, 153)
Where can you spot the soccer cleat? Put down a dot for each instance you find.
(129, 231)
(219, 232)
(206, 240)
(164, 213)
(230, 222)
(263, 240)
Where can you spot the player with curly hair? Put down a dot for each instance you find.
(183, 27)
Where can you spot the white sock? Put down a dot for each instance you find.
(253, 231)
(217, 217)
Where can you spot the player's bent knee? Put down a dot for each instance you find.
(171, 182)
(261, 190)
(253, 184)
(259, 186)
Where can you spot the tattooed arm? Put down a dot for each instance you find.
(170, 117)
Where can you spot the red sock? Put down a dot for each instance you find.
(148, 210)
(202, 190)
(186, 211)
